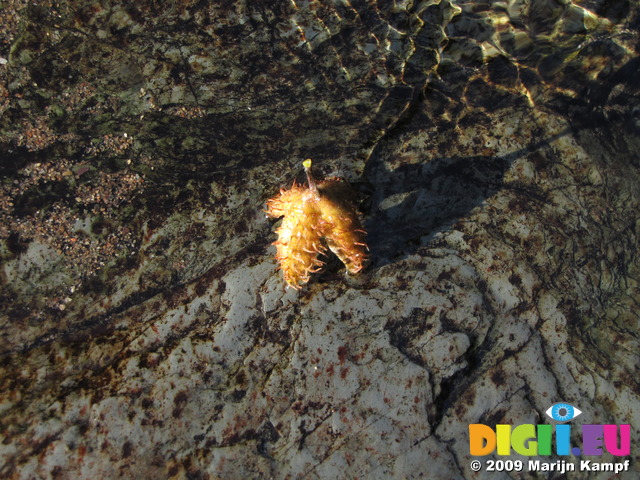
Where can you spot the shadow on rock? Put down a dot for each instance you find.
(413, 202)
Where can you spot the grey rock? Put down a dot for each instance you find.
(145, 330)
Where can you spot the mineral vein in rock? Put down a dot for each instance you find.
(317, 216)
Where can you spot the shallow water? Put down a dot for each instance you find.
(493, 146)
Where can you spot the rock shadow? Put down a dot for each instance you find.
(413, 202)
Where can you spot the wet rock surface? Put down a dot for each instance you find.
(145, 330)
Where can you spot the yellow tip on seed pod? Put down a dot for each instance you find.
(316, 217)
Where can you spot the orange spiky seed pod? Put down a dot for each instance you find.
(320, 212)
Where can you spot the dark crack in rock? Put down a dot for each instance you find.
(145, 330)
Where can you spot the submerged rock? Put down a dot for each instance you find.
(146, 332)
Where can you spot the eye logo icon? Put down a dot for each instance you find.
(562, 412)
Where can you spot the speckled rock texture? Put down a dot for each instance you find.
(145, 331)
